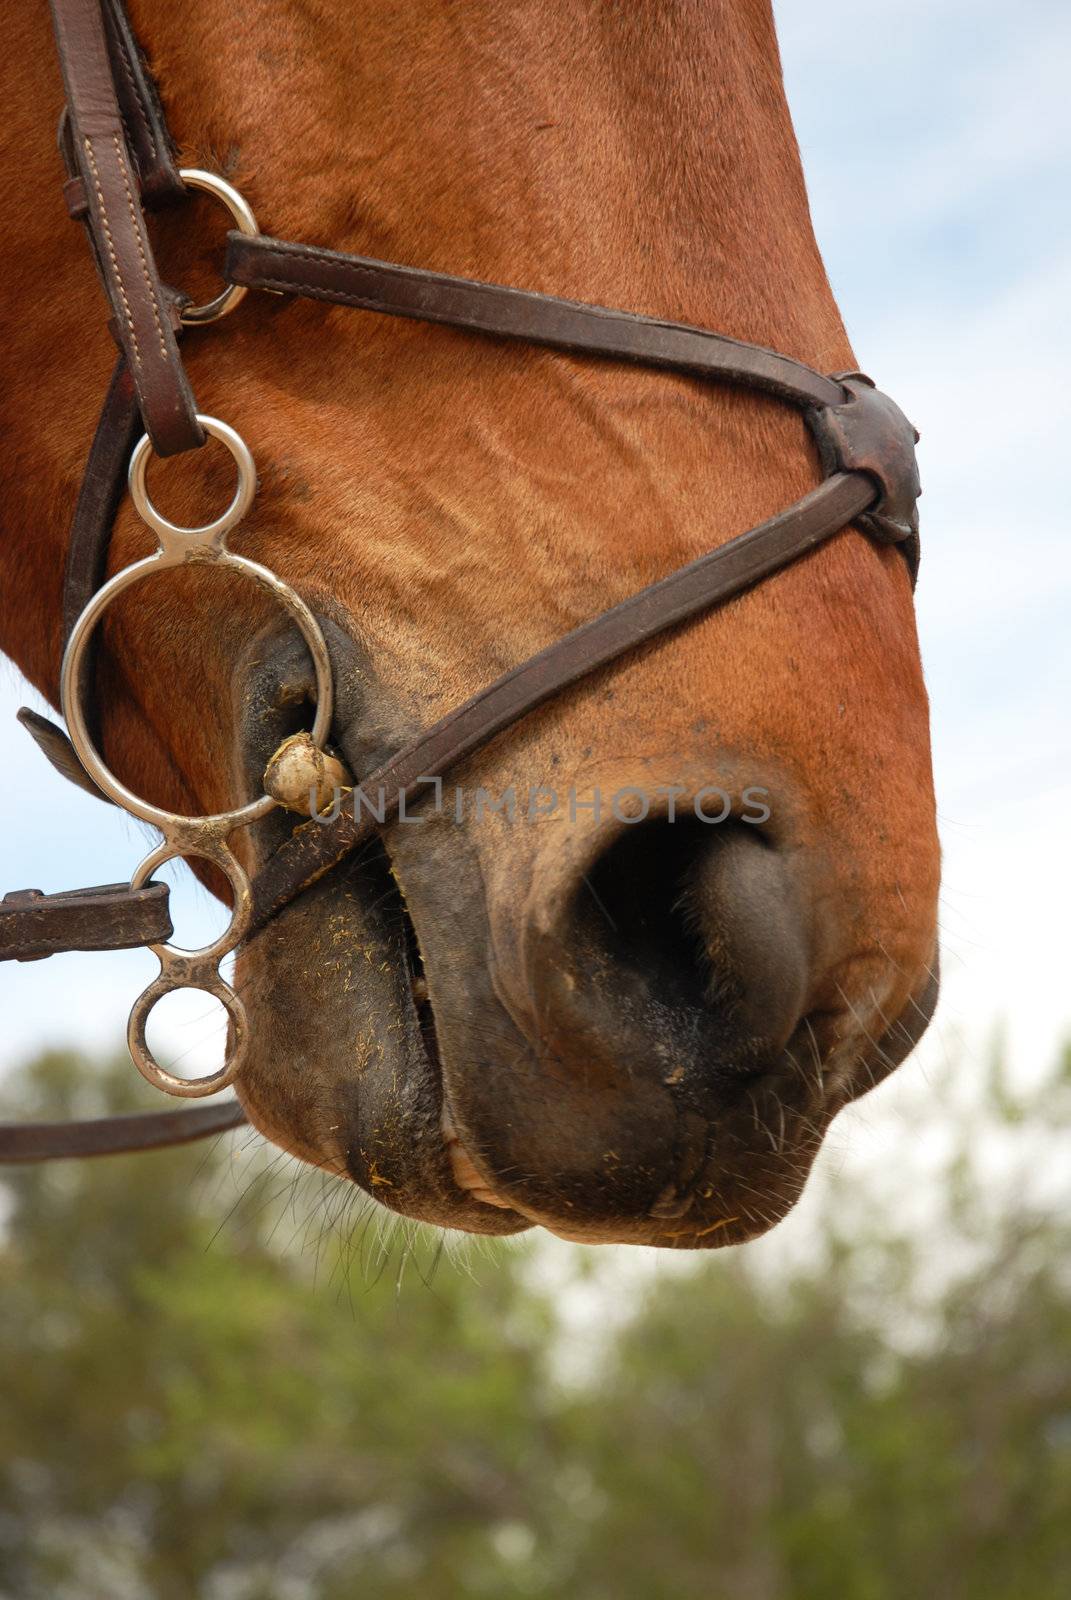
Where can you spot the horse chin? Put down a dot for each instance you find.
(342, 1070)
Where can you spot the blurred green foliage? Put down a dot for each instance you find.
(222, 1381)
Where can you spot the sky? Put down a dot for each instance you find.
(953, 278)
(936, 140)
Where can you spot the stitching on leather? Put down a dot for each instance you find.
(128, 74)
(311, 291)
(111, 251)
(141, 248)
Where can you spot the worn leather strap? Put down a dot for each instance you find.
(59, 752)
(856, 427)
(143, 319)
(109, 916)
(260, 262)
(25, 1142)
(148, 136)
(867, 432)
(315, 847)
(100, 494)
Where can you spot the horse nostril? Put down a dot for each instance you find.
(708, 919)
(657, 987)
(636, 903)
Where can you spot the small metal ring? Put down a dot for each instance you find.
(209, 532)
(170, 1082)
(245, 221)
(180, 961)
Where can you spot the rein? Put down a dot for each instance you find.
(120, 161)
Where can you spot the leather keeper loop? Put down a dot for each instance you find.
(74, 193)
(869, 433)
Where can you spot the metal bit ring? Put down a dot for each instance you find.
(160, 1077)
(194, 969)
(179, 546)
(208, 534)
(202, 836)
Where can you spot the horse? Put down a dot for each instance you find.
(671, 922)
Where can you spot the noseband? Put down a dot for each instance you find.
(120, 162)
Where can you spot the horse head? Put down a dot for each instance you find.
(621, 972)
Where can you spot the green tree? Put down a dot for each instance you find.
(184, 1400)
(891, 1418)
(220, 1383)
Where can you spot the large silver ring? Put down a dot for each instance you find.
(160, 1077)
(178, 547)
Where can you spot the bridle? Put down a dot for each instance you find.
(120, 161)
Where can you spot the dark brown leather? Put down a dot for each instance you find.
(259, 262)
(112, 1136)
(59, 752)
(99, 496)
(102, 488)
(148, 136)
(710, 581)
(110, 916)
(114, 217)
(869, 433)
(74, 191)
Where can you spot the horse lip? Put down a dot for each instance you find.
(464, 1170)
(466, 1176)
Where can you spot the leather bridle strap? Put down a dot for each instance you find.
(856, 427)
(315, 847)
(113, 1136)
(110, 916)
(102, 488)
(259, 262)
(148, 136)
(142, 313)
